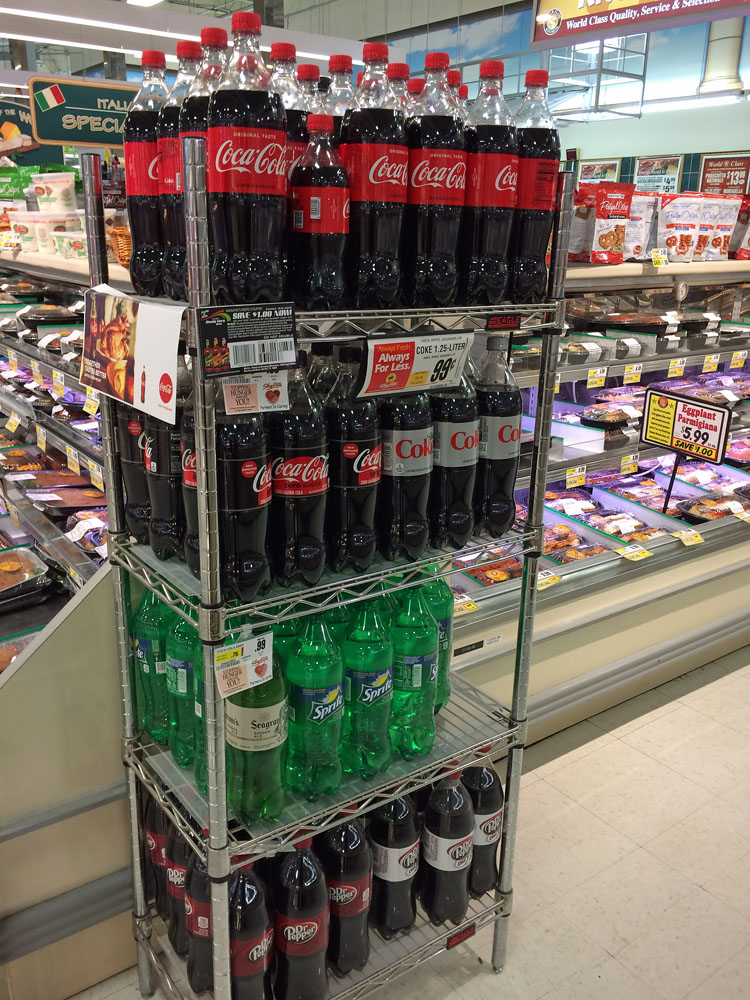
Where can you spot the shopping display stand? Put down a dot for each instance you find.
(470, 729)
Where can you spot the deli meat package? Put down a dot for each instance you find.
(679, 221)
(582, 224)
(612, 211)
(638, 229)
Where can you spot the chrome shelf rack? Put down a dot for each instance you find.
(473, 727)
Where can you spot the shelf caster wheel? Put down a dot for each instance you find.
(497, 969)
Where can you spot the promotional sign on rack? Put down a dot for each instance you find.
(727, 174)
(401, 363)
(78, 112)
(686, 425)
(658, 174)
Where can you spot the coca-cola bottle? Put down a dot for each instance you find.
(299, 456)
(243, 472)
(284, 73)
(354, 439)
(492, 174)
(347, 863)
(301, 926)
(374, 153)
(246, 178)
(437, 177)
(538, 165)
(191, 542)
(414, 89)
(308, 101)
(250, 935)
(406, 433)
(447, 844)
(398, 77)
(321, 371)
(339, 98)
(455, 426)
(131, 440)
(453, 79)
(170, 172)
(140, 137)
(499, 401)
(319, 220)
(200, 968)
(463, 101)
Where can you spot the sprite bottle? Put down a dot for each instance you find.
(439, 598)
(286, 637)
(200, 767)
(339, 622)
(316, 700)
(368, 693)
(181, 640)
(149, 630)
(385, 605)
(415, 640)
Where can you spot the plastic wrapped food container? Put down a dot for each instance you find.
(74, 244)
(65, 500)
(22, 572)
(55, 191)
(696, 510)
(12, 646)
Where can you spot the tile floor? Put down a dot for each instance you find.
(633, 861)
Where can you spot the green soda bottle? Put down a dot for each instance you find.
(315, 673)
(385, 605)
(439, 598)
(149, 631)
(181, 640)
(368, 694)
(286, 637)
(339, 621)
(415, 639)
(200, 767)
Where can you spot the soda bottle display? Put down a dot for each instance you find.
(406, 434)
(188, 462)
(414, 89)
(319, 221)
(437, 178)
(170, 172)
(455, 426)
(339, 98)
(415, 664)
(301, 926)
(180, 646)
(178, 856)
(156, 828)
(251, 936)
(538, 164)
(368, 694)
(321, 371)
(243, 472)
(200, 968)
(140, 138)
(447, 840)
(347, 863)
(492, 169)
(353, 432)
(395, 861)
(374, 153)
(398, 77)
(316, 701)
(439, 599)
(130, 443)
(486, 793)
(200, 764)
(299, 466)
(500, 405)
(149, 633)
(246, 179)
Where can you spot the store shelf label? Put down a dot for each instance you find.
(74, 463)
(547, 578)
(92, 401)
(685, 425)
(575, 477)
(95, 474)
(688, 537)
(13, 359)
(58, 382)
(744, 516)
(36, 370)
(402, 364)
(244, 665)
(738, 359)
(629, 464)
(10, 240)
(41, 438)
(13, 421)
(676, 367)
(596, 378)
(710, 363)
(75, 576)
(262, 393)
(464, 608)
(13, 515)
(557, 383)
(236, 340)
(634, 552)
(632, 374)
(659, 256)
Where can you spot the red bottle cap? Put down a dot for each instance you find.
(398, 71)
(359, 77)
(320, 123)
(213, 36)
(492, 67)
(454, 77)
(188, 50)
(375, 50)
(415, 85)
(308, 71)
(247, 21)
(437, 60)
(283, 50)
(463, 91)
(152, 57)
(537, 78)
(340, 64)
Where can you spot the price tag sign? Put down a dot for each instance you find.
(547, 578)
(738, 359)
(596, 378)
(75, 576)
(245, 664)
(575, 477)
(688, 537)
(744, 516)
(13, 515)
(659, 257)
(13, 360)
(96, 474)
(10, 240)
(73, 461)
(676, 367)
(710, 363)
(92, 401)
(686, 425)
(58, 382)
(36, 371)
(41, 438)
(557, 384)
(628, 464)
(13, 421)
(634, 552)
(405, 363)
(464, 608)
(632, 374)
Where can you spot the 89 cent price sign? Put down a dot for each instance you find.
(686, 425)
(404, 363)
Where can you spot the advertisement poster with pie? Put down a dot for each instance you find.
(658, 174)
(592, 171)
(130, 350)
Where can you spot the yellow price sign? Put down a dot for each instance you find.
(229, 655)
(92, 401)
(596, 378)
(74, 463)
(12, 422)
(13, 515)
(13, 360)
(632, 374)
(628, 464)
(58, 382)
(688, 537)
(738, 359)
(659, 257)
(464, 608)
(676, 367)
(36, 371)
(557, 384)
(41, 438)
(575, 477)
(96, 475)
(744, 516)
(418, 378)
(75, 576)
(710, 363)
(547, 578)
(634, 552)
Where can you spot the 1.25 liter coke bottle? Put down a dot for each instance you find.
(368, 694)
(319, 220)
(415, 645)
(374, 153)
(538, 164)
(486, 792)
(437, 178)
(347, 863)
(395, 862)
(149, 632)
(250, 935)
(356, 452)
(188, 460)
(131, 441)
(178, 857)
(200, 969)
(499, 442)
(140, 137)
(455, 426)
(339, 98)
(156, 827)
(321, 371)
(447, 840)
(299, 457)
(301, 926)
(492, 176)
(246, 178)
(406, 433)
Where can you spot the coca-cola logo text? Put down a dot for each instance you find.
(307, 469)
(342, 894)
(153, 169)
(406, 448)
(148, 451)
(300, 933)
(451, 178)
(270, 159)
(508, 433)
(368, 460)
(166, 388)
(507, 179)
(189, 462)
(461, 441)
(387, 171)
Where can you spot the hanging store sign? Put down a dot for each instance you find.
(725, 174)
(78, 113)
(238, 340)
(685, 425)
(15, 128)
(411, 363)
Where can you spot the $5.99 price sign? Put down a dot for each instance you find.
(419, 362)
(686, 425)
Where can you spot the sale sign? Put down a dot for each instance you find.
(686, 425)
(725, 174)
(399, 364)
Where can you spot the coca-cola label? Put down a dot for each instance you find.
(320, 210)
(368, 687)
(350, 898)
(395, 864)
(537, 184)
(162, 450)
(456, 444)
(492, 180)
(245, 484)
(157, 848)
(189, 471)
(256, 729)
(170, 164)
(356, 463)
(413, 673)
(407, 452)
(251, 956)
(447, 854)
(378, 171)
(179, 677)
(487, 828)
(246, 160)
(499, 437)
(437, 177)
(292, 153)
(299, 475)
(302, 935)
(316, 705)
(176, 879)
(141, 169)
(197, 916)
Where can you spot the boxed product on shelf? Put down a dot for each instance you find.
(612, 211)
(13, 645)
(698, 509)
(738, 453)
(648, 492)
(22, 575)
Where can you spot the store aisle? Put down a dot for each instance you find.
(633, 862)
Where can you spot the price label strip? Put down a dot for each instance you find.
(634, 552)
(710, 363)
(95, 474)
(13, 515)
(13, 360)
(92, 401)
(676, 367)
(596, 378)
(546, 578)
(575, 477)
(659, 257)
(557, 384)
(41, 438)
(464, 608)
(632, 374)
(738, 359)
(688, 537)
(58, 382)
(628, 464)
(685, 425)
(36, 370)
(410, 363)
(74, 463)
(244, 665)
(13, 421)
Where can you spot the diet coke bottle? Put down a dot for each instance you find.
(492, 166)
(447, 844)
(246, 177)
(437, 178)
(251, 935)
(301, 926)
(131, 440)
(141, 133)
(191, 544)
(538, 164)
(374, 153)
(339, 98)
(456, 431)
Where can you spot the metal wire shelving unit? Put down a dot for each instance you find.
(473, 727)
